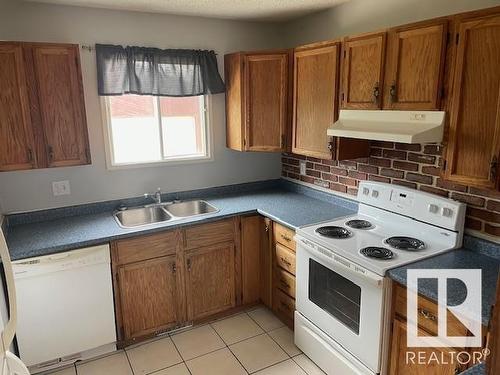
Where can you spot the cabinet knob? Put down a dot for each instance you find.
(174, 267)
(427, 315)
(30, 155)
(493, 168)
(50, 153)
(189, 264)
(393, 93)
(376, 93)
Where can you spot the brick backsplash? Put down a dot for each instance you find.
(412, 165)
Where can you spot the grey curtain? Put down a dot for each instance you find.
(152, 71)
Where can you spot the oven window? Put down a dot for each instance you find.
(335, 294)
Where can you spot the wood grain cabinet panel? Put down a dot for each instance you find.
(257, 100)
(363, 71)
(208, 234)
(250, 254)
(61, 104)
(473, 145)
(148, 294)
(315, 103)
(414, 67)
(400, 366)
(210, 283)
(266, 262)
(16, 137)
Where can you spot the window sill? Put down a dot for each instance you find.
(161, 163)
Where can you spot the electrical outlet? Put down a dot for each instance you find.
(61, 188)
(302, 165)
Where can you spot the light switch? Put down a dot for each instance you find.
(61, 188)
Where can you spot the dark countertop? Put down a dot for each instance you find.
(456, 259)
(479, 369)
(288, 207)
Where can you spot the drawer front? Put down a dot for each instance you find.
(284, 236)
(285, 258)
(209, 234)
(427, 314)
(140, 248)
(283, 305)
(284, 281)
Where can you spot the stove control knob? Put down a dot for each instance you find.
(374, 193)
(366, 191)
(433, 208)
(448, 212)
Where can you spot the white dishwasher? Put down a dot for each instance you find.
(65, 307)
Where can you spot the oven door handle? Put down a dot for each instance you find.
(340, 262)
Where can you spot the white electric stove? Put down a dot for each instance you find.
(343, 298)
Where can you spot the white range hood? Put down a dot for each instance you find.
(392, 126)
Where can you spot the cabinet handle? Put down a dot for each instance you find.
(427, 315)
(376, 93)
(50, 153)
(174, 268)
(286, 262)
(330, 147)
(266, 228)
(283, 141)
(189, 264)
(393, 93)
(286, 238)
(493, 168)
(30, 155)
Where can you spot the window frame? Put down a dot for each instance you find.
(109, 147)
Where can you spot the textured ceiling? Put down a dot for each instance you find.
(269, 10)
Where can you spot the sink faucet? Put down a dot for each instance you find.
(156, 196)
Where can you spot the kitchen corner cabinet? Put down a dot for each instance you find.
(401, 69)
(473, 146)
(257, 86)
(315, 104)
(363, 59)
(42, 110)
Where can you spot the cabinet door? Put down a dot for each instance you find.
(266, 97)
(210, 284)
(315, 103)
(473, 142)
(400, 366)
(16, 138)
(61, 104)
(362, 71)
(414, 70)
(148, 295)
(250, 254)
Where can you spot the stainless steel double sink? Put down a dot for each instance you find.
(162, 212)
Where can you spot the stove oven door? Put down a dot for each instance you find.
(342, 300)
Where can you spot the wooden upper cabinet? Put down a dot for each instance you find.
(42, 110)
(315, 103)
(473, 143)
(414, 67)
(61, 104)
(257, 101)
(210, 280)
(148, 293)
(363, 71)
(16, 137)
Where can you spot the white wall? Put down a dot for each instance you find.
(29, 190)
(357, 16)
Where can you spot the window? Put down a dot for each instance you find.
(145, 129)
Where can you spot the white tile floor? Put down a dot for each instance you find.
(252, 342)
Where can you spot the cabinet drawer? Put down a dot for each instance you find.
(427, 314)
(284, 236)
(146, 247)
(283, 305)
(209, 234)
(285, 259)
(284, 281)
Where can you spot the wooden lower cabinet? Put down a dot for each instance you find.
(148, 293)
(401, 356)
(210, 286)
